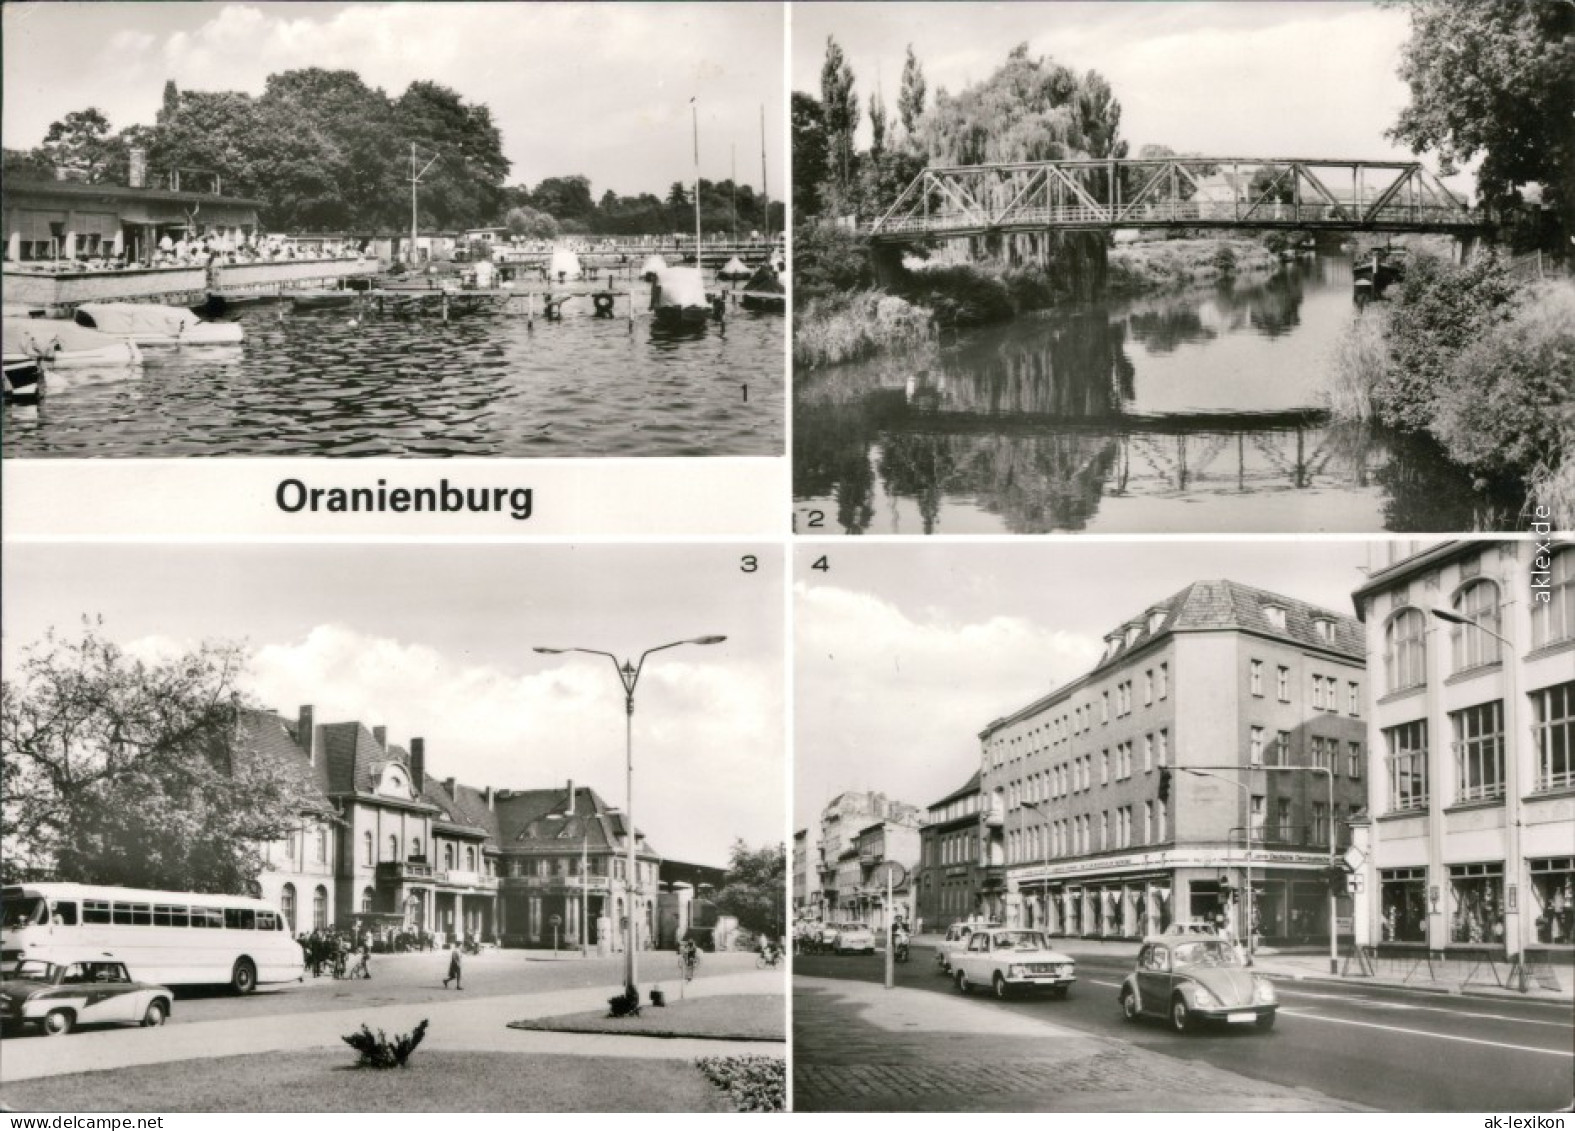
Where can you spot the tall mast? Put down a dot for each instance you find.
(765, 191)
(413, 181)
(694, 111)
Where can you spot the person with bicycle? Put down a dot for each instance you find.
(770, 955)
(688, 958)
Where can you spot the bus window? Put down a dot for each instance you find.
(267, 921)
(22, 912)
(168, 915)
(63, 913)
(95, 911)
(209, 918)
(133, 915)
(240, 919)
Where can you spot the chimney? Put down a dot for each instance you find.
(418, 763)
(380, 735)
(570, 807)
(486, 795)
(306, 733)
(450, 783)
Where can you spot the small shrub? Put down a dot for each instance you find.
(626, 1004)
(829, 260)
(829, 331)
(959, 295)
(377, 1051)
(752, 1083)
(1224, 259)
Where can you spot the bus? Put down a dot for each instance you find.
(176, 938)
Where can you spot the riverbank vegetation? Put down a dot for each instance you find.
(1481, 361)
(1151, 265)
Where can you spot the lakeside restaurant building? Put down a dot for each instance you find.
(46, 221)
(1147, 790)
(1471, 847)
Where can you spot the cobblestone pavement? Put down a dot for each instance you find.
(859, 1047)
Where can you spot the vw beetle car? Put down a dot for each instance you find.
(1007, 959)
(64, 991)
(1190, 979)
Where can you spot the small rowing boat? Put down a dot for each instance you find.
(23, 375)
(766, 291)
(61, 344)
(323, 298)
(678, 298)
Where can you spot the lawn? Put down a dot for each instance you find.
(328, 1081)
(737, 1017)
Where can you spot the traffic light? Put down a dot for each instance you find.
(1164, 783)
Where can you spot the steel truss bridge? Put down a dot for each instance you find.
(1178, 192)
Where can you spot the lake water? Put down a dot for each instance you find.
(332, 383)
(1193, 411)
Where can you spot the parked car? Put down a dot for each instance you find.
(65, 991)
(1007, 959)
(1191, 979)
(957, 936)
(852, 937)
(1192, 927)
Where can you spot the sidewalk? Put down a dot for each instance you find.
(1313, 966)
(475, 1024)
(859, 1047)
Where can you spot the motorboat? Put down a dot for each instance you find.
(23, 376)
(766, 291)
(678, 297)
(62, 344)
(323, 298)
(148, 324)
(652, 264)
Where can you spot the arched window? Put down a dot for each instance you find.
(320, 908)
(322, 845)
(1554, 619)
(366, 849)
(287, 906)
(1405, 650)
(393, 846)
(448, 857)
(470, 858)
(366, 900)
(1476, 601)
(415, 848)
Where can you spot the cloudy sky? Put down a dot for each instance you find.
(904, 652)
(596, 89)
(435, 642)
(1268, 79)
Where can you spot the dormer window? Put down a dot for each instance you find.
(1133, 632)
(393, 782)
(1112, 646)
(1155, 619)
(1275, 616)
(1324, 629)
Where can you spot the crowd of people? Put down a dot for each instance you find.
(342, 953)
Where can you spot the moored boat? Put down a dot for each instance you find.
(148, 324)
(766, 291)
(23, 375)
(678, 297)
(565, 266)
(652, 264)
(733, 270)
(322, 298)
(61, 344)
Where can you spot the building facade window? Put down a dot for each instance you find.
(1282, 820)
(1282, 684)
(1282, 748)
(1403, 904)
(1353, 699)
(1553, 718)
(1255, 817)
(1476, 903)
(1405, 650)
(1479, 751)
(322, 845)
(1161, 820)
(1477, 601)
(393, 846)
(366, 900)
(1255, 746)
(287, 906)
(1162, 754)
(1353, 759)
(1407, 766)
(1255, 677)
(1317, 695)
(1553, 900)
(320, 908)
(1164, 680)
(415, 848)
(1148, 687)
(1554, 619)
(1320, 826)
(366, 849)
(470, 858)
(1275, 616)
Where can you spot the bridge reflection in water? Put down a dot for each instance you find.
(1189, 412)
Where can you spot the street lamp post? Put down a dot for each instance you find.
(629, 676)
(1512, 941)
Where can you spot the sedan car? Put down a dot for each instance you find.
(61, 993)
(1191, 979)
(956, 940)
(1007, 959)
(852, 937)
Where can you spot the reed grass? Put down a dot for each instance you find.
(1361, 357)
(829, 331)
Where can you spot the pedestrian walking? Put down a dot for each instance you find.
(455, 967)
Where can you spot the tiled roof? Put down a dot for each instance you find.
(265, 740)
(351, 753)
(465, 808)
(544, 818)
(970, 786)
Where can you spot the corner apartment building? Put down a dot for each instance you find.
(950, 874)
(1472, 841)
(1200, 751)
(806, 877)
(839, 870)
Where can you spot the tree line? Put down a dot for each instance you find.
(325, 152)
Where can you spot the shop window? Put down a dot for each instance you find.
(1407, 766)
(1403, 901)
(1476, 904)
(1479, 752)
(1553, 713)
(1553, 900)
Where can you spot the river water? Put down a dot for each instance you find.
(1191, 411)
(336, 383)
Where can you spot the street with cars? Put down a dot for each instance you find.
(1370, 1046)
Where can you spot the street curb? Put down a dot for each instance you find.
(1492, 993)
(655, 1034)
